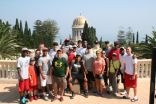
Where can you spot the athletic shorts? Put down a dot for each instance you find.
(45, 81)
(49, 80)
(78, 77)
(32, 88)
(129, 82)
(23, 85)
(90, 76)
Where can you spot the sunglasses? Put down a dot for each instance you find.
(97, 53)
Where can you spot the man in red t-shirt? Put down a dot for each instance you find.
(116, 50)
(71, 55)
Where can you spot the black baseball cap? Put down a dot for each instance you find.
(116, 43)
(106, 42)
(89, 47)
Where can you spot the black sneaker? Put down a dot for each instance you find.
(126, 97)
(72, 97)
(86, 94)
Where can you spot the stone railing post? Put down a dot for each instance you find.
(144, 69)
(8, 69)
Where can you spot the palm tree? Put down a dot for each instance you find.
(8, 42)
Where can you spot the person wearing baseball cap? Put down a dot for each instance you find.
(122, 60)
(24, 49)
(107, 48)
(97, 47)
(74, 49)
(80, 49)
(115, 49)
(22, 68)
(53, 50)
(60, 71)
(113, 73)
(44, 65)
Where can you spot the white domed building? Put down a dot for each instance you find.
(77, 28)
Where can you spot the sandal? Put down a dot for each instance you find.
(134, 99)
(61, 99)
(53, 99)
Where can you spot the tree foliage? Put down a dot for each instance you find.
(8, 41)
(125, 37)
(129, 36)
(12, 38)
(144, 50)
(45, 31)
(89, 34)
(121, 37)
(137, 38)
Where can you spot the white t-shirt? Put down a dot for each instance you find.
(52, 54)
(122, 60)
(23, 64)
(129, 62)
(44, 62)
(81, 51)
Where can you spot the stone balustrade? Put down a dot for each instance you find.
(144, 68)
(8, 68)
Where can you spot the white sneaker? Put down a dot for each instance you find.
(45, 98)
(123, 93)
(134, 99)
(116, 94)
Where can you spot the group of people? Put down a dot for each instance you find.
(52, 72)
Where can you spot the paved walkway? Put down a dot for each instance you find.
(9, 94)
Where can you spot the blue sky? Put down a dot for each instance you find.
(107, 16)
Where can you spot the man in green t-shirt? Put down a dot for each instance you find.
(60, 70)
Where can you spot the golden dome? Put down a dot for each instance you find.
(79, 22)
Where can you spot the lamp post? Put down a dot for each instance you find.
(153, 72)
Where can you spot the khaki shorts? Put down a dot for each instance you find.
(61, 82)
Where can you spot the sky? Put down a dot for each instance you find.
(107, 16)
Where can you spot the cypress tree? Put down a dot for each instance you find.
(133, 38)
(0, 21)
(16, 25)
(21, 28)
(26, 30)
(146, 39)
(7, 24)
(29, 32)
(85, 32)
(137, 38)
(101, 41)
(26, 36)
(89, 34)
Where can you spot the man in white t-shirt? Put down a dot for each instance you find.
(52, 52)
(122, 60)
(44, 65)
(130, 66)
(22, 68)
(80, 50)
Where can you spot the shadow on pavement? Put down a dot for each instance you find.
(11, 96)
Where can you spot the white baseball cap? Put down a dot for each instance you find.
(24, 49)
